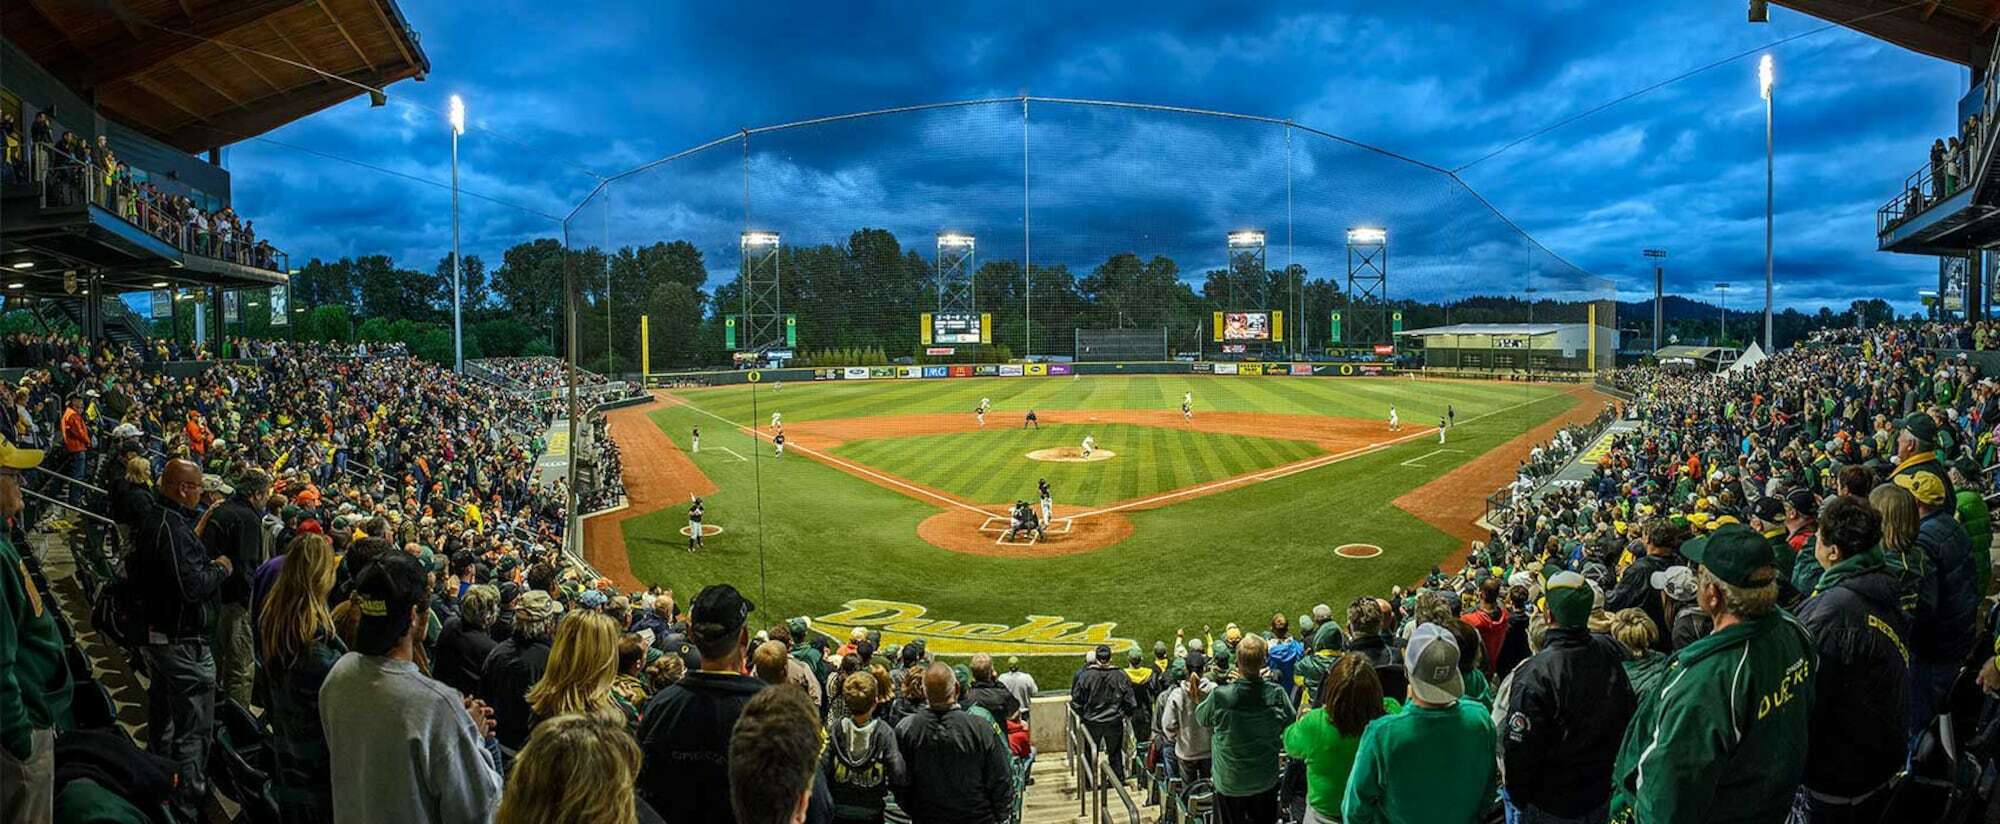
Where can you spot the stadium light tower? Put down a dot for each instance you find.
(762, 298)
(1246, 264)
(1659, 295)
(954, 273)
(1767, 81)
(457, 329)
(1368, 284)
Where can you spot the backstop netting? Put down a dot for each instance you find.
(833, 277)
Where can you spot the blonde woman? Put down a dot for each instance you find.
(298, 646)
(1898, 509)
(1635, 632)
(582, 663)
(574, 769)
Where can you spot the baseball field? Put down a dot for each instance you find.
(890, 506)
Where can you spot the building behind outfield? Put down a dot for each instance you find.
(1512, 347)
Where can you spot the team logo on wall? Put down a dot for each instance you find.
(901, 623)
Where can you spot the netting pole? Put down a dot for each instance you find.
(756, 468)
(1297, 281)
(1027, 248)
(610, 355)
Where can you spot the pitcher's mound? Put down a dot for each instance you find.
(1070, 454)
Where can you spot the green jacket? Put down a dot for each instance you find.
(1424, 766)
(1329, 756)
(1249, 716)
(34, 676)
(1978, 523)
(1724, 739)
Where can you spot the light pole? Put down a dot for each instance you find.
(1722, 318)
(457, 330)
(1767, 83)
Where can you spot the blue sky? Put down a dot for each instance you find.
(602, 87)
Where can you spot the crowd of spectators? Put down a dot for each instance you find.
(1950, 169)
(608, 469)
(76, 169)
(539, 373)
(1783, 558)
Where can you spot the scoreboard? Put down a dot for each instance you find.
(956, 327)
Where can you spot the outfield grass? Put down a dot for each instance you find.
(802, 537)
(1419, 402)
(991, 465)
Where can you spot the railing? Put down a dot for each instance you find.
(1095, 782)
(65, 180)
(1923, 188)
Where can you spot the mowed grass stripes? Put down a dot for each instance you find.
(1418, 401)
(992, 465)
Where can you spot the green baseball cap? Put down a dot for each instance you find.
(1921, 427)
(1570, 598)
(1736, 554)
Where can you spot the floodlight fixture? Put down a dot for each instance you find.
(760, 239)
(16, 285)
(1247, 237)
(159, 284)
(1367, 235)
(26, 264)
(457, 115)
(1767, 76)
(954, 239)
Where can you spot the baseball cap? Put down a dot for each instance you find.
(1921, 427)
(1676, 581)
(1924, 486)
(536, 605)
(864, 650)
(389, 588)
(1736, 554)
(13, 457)
(1196, 661)
(592, 599)
(125, 430)
(1768, 509)
(1432, 662)
(797, 627)
(1102, 653)
(1570, 599)
(214, 483)
(1802, 500)
(717, 612)
(1013, 661)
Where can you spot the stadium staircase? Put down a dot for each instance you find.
(121, 324)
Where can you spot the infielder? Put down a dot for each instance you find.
(697, 439)
(774, 420)
(1031, 421)
(1450, 415)
(1395, 423)
(779, 441)
(694, 525)
(984, 404)
(1441, 427)
(1048, 500)
(1187, 408)
(1089, 445)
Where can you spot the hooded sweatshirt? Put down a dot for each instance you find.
(862, 762)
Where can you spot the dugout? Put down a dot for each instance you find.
(1512, 347)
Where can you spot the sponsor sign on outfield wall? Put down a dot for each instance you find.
(1252, 368)
(881, 371)
(909, 372)
(986, 370)
(855, 373)
(1035, 370)
(937, 371)
(1010, 370)
(1060, 369)
(961, 371)
(1203, 368)
(1226, 368)
(1302, 369)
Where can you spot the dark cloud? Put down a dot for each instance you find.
(603, 87)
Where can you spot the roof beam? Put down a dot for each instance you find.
(266, 113)
(252, 69)
(60, 29)
(146, 84)
(170, 39)
(200, 73)
(318, 74)
(344, 35)
(395, 35)
(1931, 9)
(1992, 16)
(1944, 38)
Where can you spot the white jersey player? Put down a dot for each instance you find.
(980, 411)
(1089, 445)
(774, 420)
(1395, 423)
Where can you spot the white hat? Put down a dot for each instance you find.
(126, 430)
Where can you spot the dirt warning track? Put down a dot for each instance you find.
(657, 475)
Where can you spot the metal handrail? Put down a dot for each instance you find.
(70, 506)
(68, 479)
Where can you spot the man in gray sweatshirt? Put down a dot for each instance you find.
(403, 747)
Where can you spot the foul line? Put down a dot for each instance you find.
(1413, 461)
(732, 452)
(851, 467)
(1301, 466)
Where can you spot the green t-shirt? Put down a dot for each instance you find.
(1424, 766)
(1249, 718)
(1329, 756)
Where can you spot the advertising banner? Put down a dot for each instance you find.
(1060, 369)
(961, 371)
(1203, 368)
(1235, 348)
(1246, 326)
(909, 372)
(281, 305)
(941, 350)
(829, 374)
(856, 373)
(1010, 370)
(937, 371)
(1250, 368)
(1036, 370)
(1226, 368)
(1385, 349)
(986, 370)
(1302, 369)
(881, 371)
